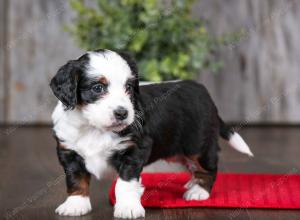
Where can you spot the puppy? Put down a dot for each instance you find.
(105, 119)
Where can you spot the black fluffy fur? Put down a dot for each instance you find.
(178, 119)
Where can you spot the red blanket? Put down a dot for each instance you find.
(230, 191)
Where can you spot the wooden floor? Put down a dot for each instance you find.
(32, 182)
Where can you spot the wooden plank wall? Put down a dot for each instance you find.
(38, 45)
(3, 17)
(259, 81)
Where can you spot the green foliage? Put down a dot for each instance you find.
(165, 40)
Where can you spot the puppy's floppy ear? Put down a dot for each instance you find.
(64, 84)
(134, 69)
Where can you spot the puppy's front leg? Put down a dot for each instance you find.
(128, 199)
(129, 190)
(77, 179)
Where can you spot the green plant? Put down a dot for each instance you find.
(166, 40)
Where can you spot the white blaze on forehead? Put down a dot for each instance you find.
(110, 65)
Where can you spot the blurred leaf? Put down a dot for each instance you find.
(138, 40)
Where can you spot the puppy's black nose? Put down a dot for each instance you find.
(121, 113)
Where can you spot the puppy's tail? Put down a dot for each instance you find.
(234, 139)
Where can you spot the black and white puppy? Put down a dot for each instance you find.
(105, 119)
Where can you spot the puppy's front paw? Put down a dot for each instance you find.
(129, 210)
(75, 206)
(195, 192)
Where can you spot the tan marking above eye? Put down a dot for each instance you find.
(103, 80)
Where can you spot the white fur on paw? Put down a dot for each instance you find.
(196, 192)
(75, 206)
(129, 210)
(128, 199)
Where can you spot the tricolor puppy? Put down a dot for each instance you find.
(105, 119)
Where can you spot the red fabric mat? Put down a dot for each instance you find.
(230, 191)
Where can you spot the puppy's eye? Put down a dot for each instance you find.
(128, 87)
(99, 88)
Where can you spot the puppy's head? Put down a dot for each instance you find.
(102, 85)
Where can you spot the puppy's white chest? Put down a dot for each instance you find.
(96, 165)
(96, 147)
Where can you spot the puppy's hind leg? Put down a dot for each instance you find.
(204, 169)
